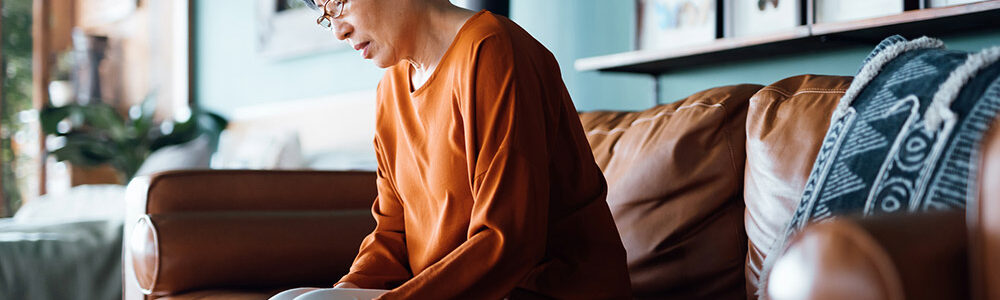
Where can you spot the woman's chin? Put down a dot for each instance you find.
(382, 62)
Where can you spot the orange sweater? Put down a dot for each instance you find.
(487, 186)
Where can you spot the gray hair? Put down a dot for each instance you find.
(311, 4)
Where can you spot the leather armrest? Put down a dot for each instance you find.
(192, 230)
(888, 257)
(209, 190)
(984, 219)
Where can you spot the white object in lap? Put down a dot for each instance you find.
(328, 294)
(292, 293)
(341, 294)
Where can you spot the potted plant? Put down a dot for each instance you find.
(96, 134)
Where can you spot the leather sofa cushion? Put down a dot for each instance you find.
(785, 126)
(675, 175)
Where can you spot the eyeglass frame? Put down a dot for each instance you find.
(338, 12)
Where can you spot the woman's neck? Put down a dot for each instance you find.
(436, 34)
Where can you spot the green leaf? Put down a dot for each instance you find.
(213, 123)
(51, 116)
(103, 117)
(147, 110)
(85, 150)
(183, 132)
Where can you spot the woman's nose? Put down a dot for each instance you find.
(342, 30)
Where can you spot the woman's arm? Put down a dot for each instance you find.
(382, 261)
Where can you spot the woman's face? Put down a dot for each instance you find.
(373, 27)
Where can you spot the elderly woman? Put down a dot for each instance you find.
(486, 184)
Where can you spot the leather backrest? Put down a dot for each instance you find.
(785, 126)
(985, 219)
(675, 175)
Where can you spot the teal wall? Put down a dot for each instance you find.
(229, 74)
(574, 29)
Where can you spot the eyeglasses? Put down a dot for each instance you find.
(326, 20)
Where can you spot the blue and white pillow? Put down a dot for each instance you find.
(903, 136)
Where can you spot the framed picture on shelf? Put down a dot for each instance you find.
(829, 11)
(943, 3)
(760, 17)
(665, 24)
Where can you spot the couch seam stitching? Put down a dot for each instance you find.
(776, 89)
(788, 94)
(652, 118)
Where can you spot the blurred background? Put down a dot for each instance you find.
(98, 92)
(260, 59)
(77, 75)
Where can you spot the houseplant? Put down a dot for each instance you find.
(95, 134)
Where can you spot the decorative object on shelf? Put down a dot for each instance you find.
(759, 17)
(285, 29)
(943, 3)
(828, 11)
(957, 19)
(96, 134)
(664, 24)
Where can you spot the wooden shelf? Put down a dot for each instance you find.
(803, 39)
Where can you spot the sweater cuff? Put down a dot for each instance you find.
(362, 281)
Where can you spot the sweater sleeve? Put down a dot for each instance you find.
(382, 262)
(506, 148)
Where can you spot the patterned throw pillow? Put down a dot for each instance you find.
(902, 137)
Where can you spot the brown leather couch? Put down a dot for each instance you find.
(700, 190)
